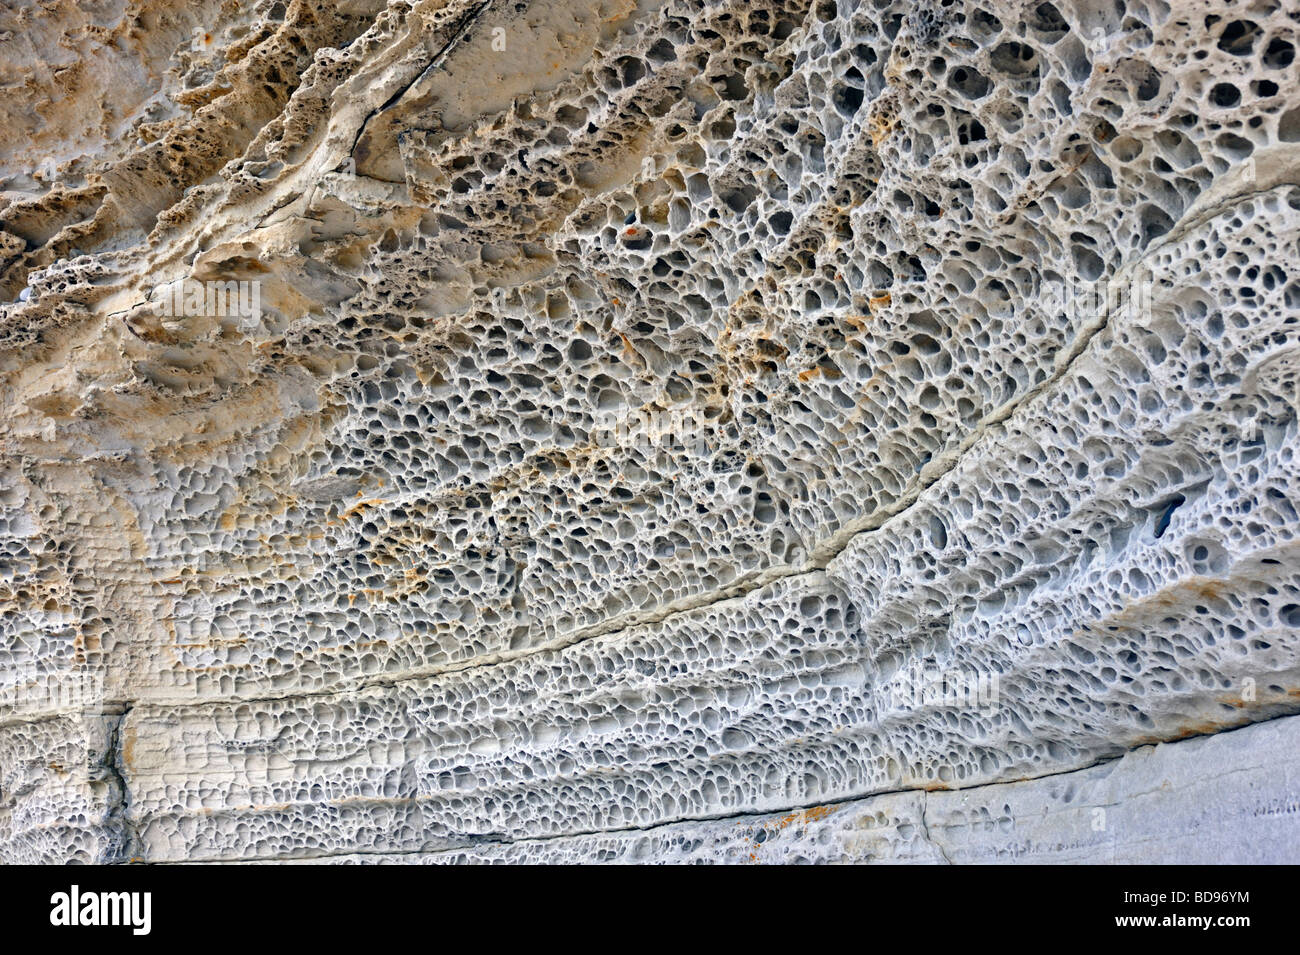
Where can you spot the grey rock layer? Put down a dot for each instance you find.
(1153, 806)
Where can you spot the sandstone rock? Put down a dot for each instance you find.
(650, 430)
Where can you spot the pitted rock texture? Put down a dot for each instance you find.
(643, 392)
(1155, 805)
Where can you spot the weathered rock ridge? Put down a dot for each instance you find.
(645, 405)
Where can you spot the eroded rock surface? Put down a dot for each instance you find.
(643, 402)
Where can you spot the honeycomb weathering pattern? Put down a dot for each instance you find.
(646, 398)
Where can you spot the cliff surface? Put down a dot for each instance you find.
(649, 430)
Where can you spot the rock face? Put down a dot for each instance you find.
(650, 430)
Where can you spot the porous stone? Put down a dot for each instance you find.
(643, 401)
(1154, 805)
